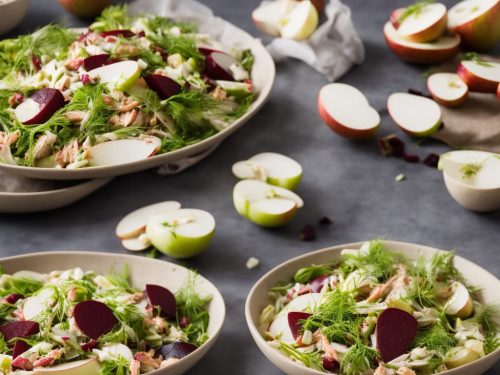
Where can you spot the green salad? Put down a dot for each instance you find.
(377, 312)
(126, 88)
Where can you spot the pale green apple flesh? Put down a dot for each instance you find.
(84, 367)
(118, 76)
(459, 357)
(181, 233)
(460, 304)
(300, 22)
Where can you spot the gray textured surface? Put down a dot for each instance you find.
(349, 182)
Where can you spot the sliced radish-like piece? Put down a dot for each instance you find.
(19, 348)
(267, 17)
(218, 66)
(177, 350)
(22, 328)
(163, 298)
(96, 61)
(424, 25)
(118, 76)
(120, 151)
(40, 107)
(300, 22)
(26, 274)
(163, 85)
(395, 332)
(395, 16)
(416, 115)
(121, 32)
(38, 303)
(480, 76)
(83, 367)
(94, 318)
(347, 112)
(447, 89)
(294, 322)
(279, 328)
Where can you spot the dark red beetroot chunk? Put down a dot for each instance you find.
(164, 86)
(207, 51)
(23, 328)
(318, 283)
(295, 322)
(395, 331)
(96, 61)
(159, 296)
(411, 158)
(19, 348)
(431, 160)
(177, 349)
(50, 101)
(94, 318)
(13, 298)
(330, 364)
(89, 345)
(123, 33)
(217, 66)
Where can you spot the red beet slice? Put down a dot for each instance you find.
(13, 298)
(123, 33)
(23, 328)
(207, 51)
(163, 298)
(217, 66)
(395, 331)
(19, 348)
(94, 318)
(177, 349)
(49, 101)
(164, 86)
(294, 322)
(318, 283)
(89, 345)
(96, 61)
(330, 364)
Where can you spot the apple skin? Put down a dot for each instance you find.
(498, 92)
(265, 220)
(50, 100)
(431, 33)
(476, 83)
(287, 183)
(85, 8)
(468, 356)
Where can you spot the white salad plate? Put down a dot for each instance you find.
(258, 299)
(143, 271)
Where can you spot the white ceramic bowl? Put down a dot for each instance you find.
(143, 270)
(12, 13)
(258, 299)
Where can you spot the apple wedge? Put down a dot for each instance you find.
(120, 151)
(273, 168)
(181, 233)
(424, 24)
(414, 114)
(447, 89)
(265, 204)
(460, 357)
(477, 22)
(347, 112)
(300, 22)
(480, 76)
(137, 244)
(442, 49)
(40, 107)
(89, 366)
(267, 17)
(460, 304)
(118, 76)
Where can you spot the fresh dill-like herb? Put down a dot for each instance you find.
(306, 274)
(436, 338)
(184, 45)
(112, 18)
(121, 279)
(491, 343)
(414, 9)
(162, 24)
(22, 285)
(474, 57)
(488, 317)
(115, 366)
(357, 359)
(312, 360)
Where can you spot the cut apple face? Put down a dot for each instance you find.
(83, 367)
(460, 357)
(38, 303)
(120, 151)
(273, 168)
(347, 112)
(182, 233)
(480, 76)
(265, 204)
(424, 25)
(415, 115)
(460, 304)
(268, 16)
(40, 107)
(440, 50)
(447, 89)
(118, 76)
(300, 22)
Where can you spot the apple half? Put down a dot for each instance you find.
(347, 112)
(267, 17)
(477, 22)
(442, 49)
(480, 76)
(120, 151)
(447, 89)
(89, 366)
(460, 304)
(273, 168)
(300, 22)
(416, 115)
(425, 25)
(265, 204)
(118, 76)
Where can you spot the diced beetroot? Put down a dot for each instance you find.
(13, 298)
(395, 331)
(94, 318)
(96, 61)
(89, 345)
(123, 33)
(19, 348)
(177, 349)
(184, 322)
(217, 66)
(22, 328)
(431, 160)
(22, 363)
(330, 364)
(85, 78)
(164, 86)
(411, 158)
(37, 63)
(163, 298)
(318, 283)
(294, 322)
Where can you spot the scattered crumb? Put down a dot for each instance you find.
(325, 221)
(400, 177)
(307, 233)
(432, 160)
(252, 263)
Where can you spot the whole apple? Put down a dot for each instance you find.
(84, 8)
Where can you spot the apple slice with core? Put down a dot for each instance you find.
(447, 89)
(94, 318)
(22, 328)
(273, 168)
(164, 86)
(347, 112)
(40, 107)
(83, 367)
(295, 319)
(300, 22)
(177, 350)
(414, 114)
(218, 66)
(442, 49)
(480, 76)
(477, 23)
(265, 204)
(181, 233)
(395, 331)
(460, 304)
(267, 17)
(120, 151)
(425, 24)
(163, 298)
(118, 76)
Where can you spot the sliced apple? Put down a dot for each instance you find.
(137, 244)
(120, 151)
(347, 112)
(300, 22)
(118, 76)
(459, 357)
(89, 366)
(447, 89)
(265, 204)
(118, 350)
(267, 17)
(477, 23)
(442, 49)
(182, 233)
(38, 303)
(460, 304)
(273, 168)
(163, 85)
(236, 89)
(480, 76)
(40, 107)
(414, 114)
(425, 25)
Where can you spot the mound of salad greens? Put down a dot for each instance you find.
(352, 316)
(92, 112)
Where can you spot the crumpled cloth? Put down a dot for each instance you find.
(332, 49)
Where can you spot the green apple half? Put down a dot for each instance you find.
(181, 233)
(118, 76)
(460, 303)
(275, 169)
(265, 204)
(414, 114)
(84, 367)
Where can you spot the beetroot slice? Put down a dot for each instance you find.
(164, 86)
(177, 349)
(330, 364)
(207, 51)
(395, 331)
(19, 348)
(94, 318)
(163, 298)
(96, 61)
(23, 328)
(294, 322)
(13, 298)
(123, 33)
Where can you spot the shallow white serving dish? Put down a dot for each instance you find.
(12, 13)
(258, 299)
(143, 270)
